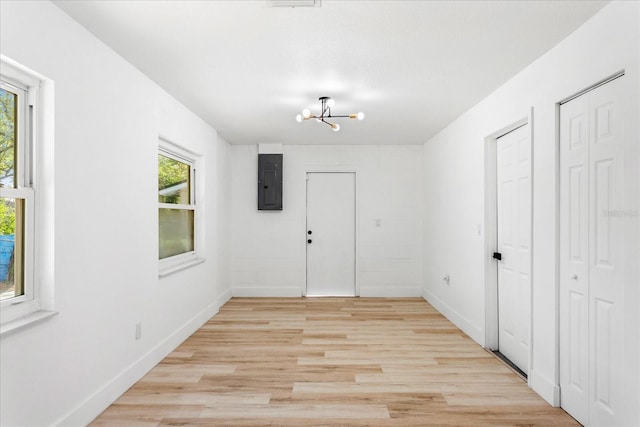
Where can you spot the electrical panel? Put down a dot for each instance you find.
(270, 182)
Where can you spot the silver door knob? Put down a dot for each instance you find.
(574, 276)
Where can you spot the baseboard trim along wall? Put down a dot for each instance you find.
(391, 292)
(276, 292)
(476, 333)
(88, 410)
(547, 389)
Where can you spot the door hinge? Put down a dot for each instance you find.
(497, 255)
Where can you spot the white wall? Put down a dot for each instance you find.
(268, 250)
(108, 118)
(454, 184)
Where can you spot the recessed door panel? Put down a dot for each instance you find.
(578, 324)
(604, 346)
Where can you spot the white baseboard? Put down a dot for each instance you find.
(223, 298)
(93, 405)
(265, 292)
(391, 292)
(475, 333)
(545, 388)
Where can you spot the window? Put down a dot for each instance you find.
(20, 136)
(17, 192)
(177, 209)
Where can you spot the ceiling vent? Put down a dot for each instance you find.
(293, 3)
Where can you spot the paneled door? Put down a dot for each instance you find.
(513, 152)
(592, 258)
(330, 234)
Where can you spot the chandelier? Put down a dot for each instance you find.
(327, 104)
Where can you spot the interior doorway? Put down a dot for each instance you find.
(508, 243)
(330, 234)
(513, 254)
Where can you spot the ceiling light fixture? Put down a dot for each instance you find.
(327, 104)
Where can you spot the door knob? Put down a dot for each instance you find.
(574, 276)
(309, 241)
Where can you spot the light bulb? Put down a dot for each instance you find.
(360, 115)
(330, 103)
(299, 118)
(336, 127)
(306, 113)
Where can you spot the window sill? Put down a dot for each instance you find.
(26, 321)
(167, 271)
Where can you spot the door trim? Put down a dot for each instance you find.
(491, 235)
(325, 169)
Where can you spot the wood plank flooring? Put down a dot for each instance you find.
(330, 362)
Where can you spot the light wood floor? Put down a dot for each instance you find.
(330, 362)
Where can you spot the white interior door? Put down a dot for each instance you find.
(592, 259)
(330, 234)
(514, 245)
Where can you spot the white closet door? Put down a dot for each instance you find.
(593, 370)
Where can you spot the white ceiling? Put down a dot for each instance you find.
(411, 66)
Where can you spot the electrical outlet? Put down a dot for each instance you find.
(138, 331)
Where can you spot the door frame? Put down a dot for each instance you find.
(356, 248)
(491, 234)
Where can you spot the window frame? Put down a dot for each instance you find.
(174, 263)
(33, 128)
(22, 186)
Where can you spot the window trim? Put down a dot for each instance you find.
(34, 172)
(175, 263)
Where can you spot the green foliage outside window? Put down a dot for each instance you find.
(7, 137)
(7, 159)
(173, 180)
(7, 217)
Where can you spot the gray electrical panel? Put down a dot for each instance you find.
(270, 182)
